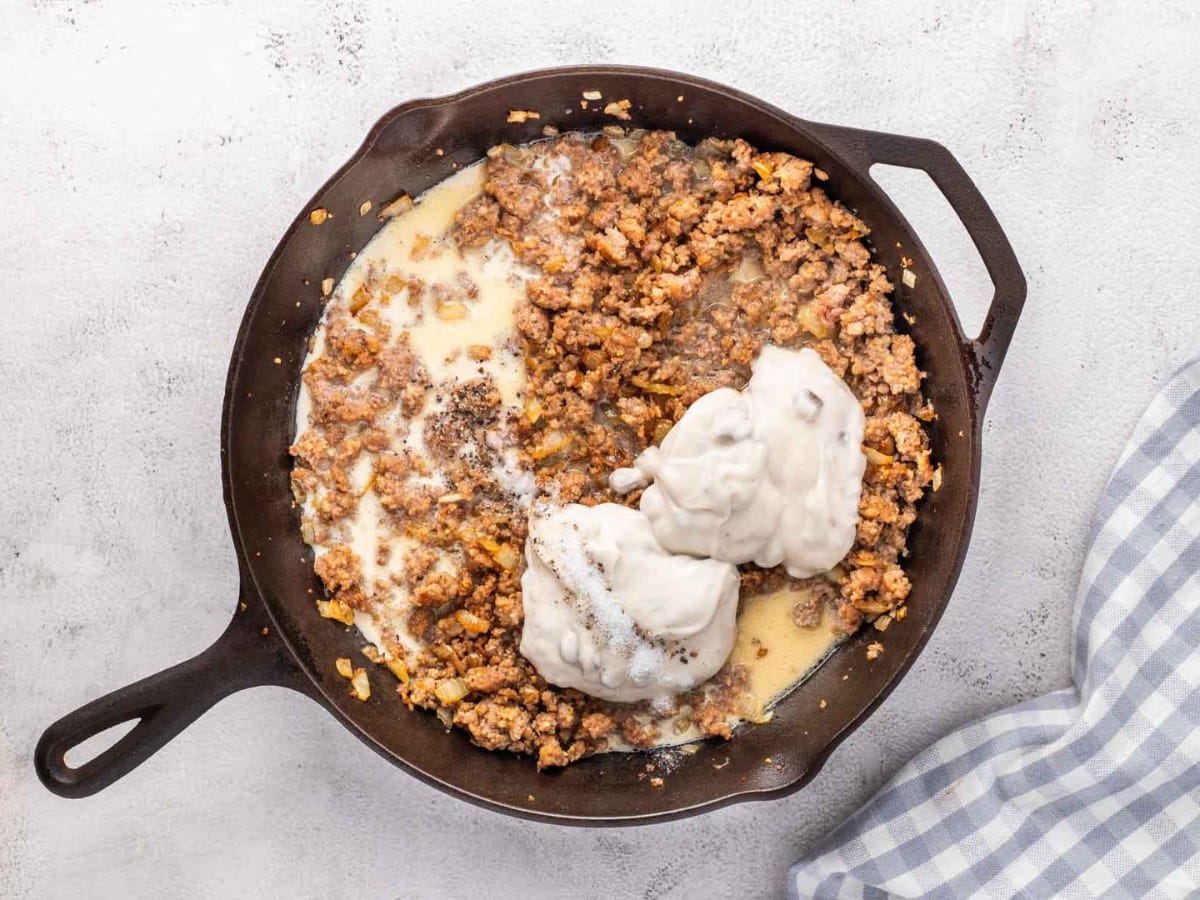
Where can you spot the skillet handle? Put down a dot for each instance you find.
(866, 148)
(164, 704)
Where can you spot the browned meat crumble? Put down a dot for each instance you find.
(664, 271)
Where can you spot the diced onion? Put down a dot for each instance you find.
(506, 556)
(656, 387)
(398, 668)
(450, 691)
(471, 622)
(360, 685)
(875, 458)
(336, 609)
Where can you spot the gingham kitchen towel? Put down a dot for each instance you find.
(1092, 791)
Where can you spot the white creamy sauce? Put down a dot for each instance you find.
(771, 474)
(609, 612)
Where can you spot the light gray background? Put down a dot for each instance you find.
(151, 157)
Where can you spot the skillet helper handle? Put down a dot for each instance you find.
(866, 148)
(163, 705)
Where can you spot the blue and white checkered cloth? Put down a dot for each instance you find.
(1094, 790)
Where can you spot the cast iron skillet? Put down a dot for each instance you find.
(276, 637)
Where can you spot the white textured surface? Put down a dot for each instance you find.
(151, 159)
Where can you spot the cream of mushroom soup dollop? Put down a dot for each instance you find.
(771, 474)
(611, 613)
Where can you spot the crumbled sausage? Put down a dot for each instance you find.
(630, 317)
